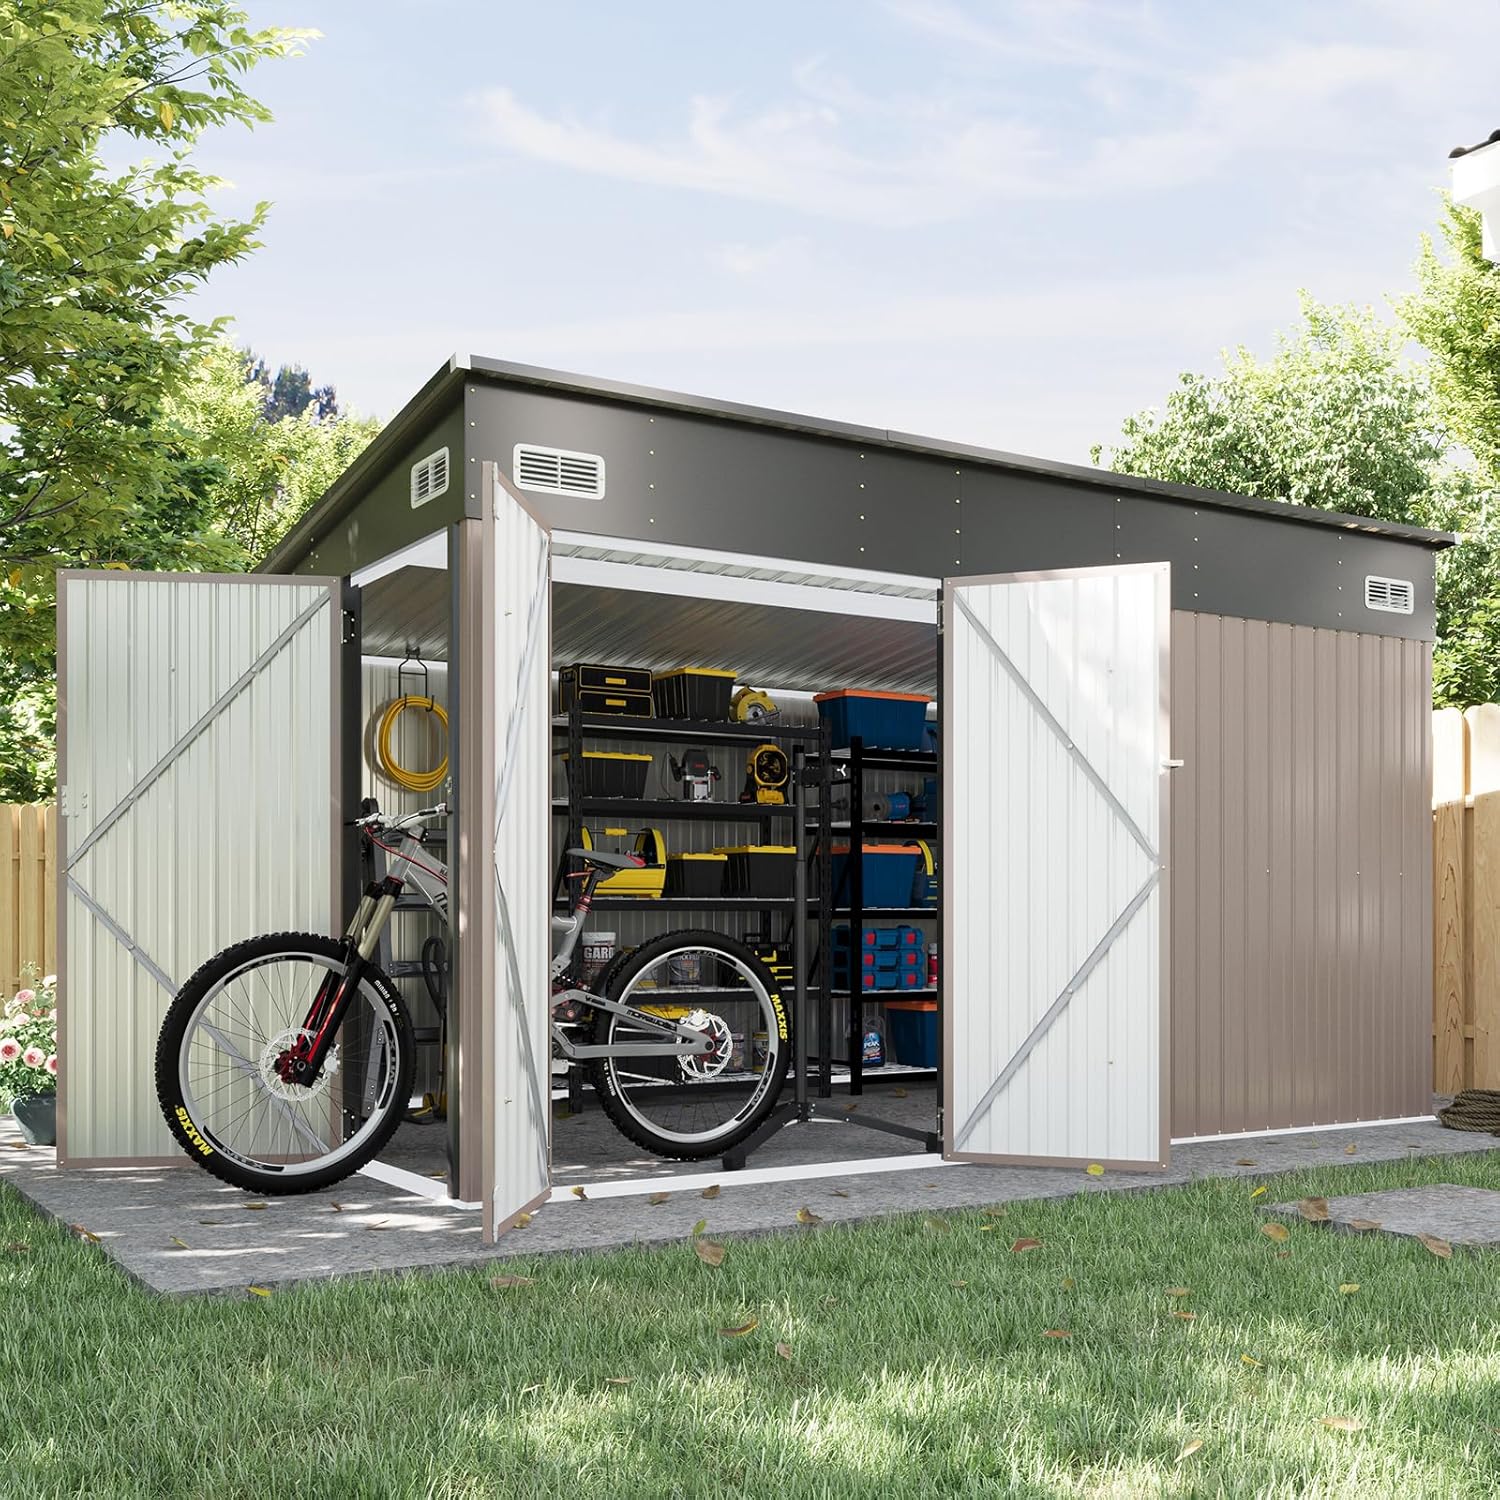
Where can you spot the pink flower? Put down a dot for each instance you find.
(10, 1049)
(51, 1064)
(25, 996)
(33, 1057)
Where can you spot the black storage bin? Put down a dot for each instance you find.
(591, 685)
(765, 870)
(607, 773)
(693, 693)
(695, 874)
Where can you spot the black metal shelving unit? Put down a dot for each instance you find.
(858, 761)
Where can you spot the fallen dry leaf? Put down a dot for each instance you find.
(700, 1226)
(1189, 1449)
(1314, 1210)
(1364, 1223)
(898, 1093)
(1056, 1333)
(805, 1215)
(1258, 1192)
(1244, 1161)
(512, 1280)
(747, 1327)
(578, 1192)
(1343, 1424)
(839, 1193)
(214, 1222)
(1277, 1232)
(937, 1224)
(710, 1253)
(711, 1191)
(1440, 1248)
(338, 1208)
(1250, 1359)
(993, 1213)
(988, 1228)
(1283, 1254)
(1184, 1314)
(1179, 1291)
(957, 1284)
(522, 1220)
(1094, 1169)
(17, 1247)
(383, 1224)
(255, 1207)
(830, 1302)
(784, 1350)
(261, 1291)
(181, 1244)
(1350, 1149)
(19, 1146)
(851, 1106)
(1348, 1288)
(85, 1234)
(618, 1379)
(1068, 1283)
(1021, 1245)
(657, 1199)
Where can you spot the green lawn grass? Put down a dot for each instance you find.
(920, 1364)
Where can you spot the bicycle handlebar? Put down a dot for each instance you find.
(381, 820)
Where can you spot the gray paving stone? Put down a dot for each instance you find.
(1460, 1215)
(137, 1213)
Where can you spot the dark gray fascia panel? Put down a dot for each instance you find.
(725, 485)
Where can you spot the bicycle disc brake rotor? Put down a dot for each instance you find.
(698, 1066)
(271, 1056)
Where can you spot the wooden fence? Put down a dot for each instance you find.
(1466, 898)
(28, 894)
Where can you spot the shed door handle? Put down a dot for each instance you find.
(1173, 765)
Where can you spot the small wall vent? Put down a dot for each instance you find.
(1393, 596)
(429, 478)
(557, 471)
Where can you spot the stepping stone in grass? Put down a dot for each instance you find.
(1461, 1215)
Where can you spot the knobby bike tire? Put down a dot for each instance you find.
(172, 1038)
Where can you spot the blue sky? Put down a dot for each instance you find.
(1007, 223)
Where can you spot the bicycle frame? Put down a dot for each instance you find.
(411, 863)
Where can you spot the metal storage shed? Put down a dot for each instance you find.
(1113, 978)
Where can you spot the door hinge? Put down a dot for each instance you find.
(350, 627)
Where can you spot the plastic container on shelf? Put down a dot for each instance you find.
(912, 1028)
(695, 874)
(888, 872)
(883, 721)
(646, 881)
(693, 693)
(599, 689)
(872, 1049)
(612, 773)
(924, 885)
(766, 870)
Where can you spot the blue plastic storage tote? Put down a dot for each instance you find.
(883, 721)
(911, 1029)
(888, 871)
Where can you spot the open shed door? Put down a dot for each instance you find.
(197, 764)
(520, 820)
(1054, 732)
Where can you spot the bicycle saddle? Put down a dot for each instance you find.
(604, 861)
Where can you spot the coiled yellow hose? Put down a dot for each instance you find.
(411, 781)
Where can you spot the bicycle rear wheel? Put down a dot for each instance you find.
(222, 1096)
(693, 1106)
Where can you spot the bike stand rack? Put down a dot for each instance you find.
(803, 1110)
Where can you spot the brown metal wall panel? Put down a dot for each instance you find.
(1301, 921)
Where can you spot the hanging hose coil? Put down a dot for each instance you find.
(411, 781)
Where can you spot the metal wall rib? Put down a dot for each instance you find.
(1302, 881)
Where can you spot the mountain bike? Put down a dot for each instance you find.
(286, 1062)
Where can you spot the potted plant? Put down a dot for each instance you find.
(28, 1060)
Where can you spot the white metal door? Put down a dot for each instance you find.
(1054, 734)
(199, 802)
(521, 1075)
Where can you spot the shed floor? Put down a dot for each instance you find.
(138, 1213)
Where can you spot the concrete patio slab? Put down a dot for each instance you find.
(1460, 1215)
(363, 1226)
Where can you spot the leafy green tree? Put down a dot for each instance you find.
(1455, 316)
(264, 471)
(1341, 419)
(95, 260)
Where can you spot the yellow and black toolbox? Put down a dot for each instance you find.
(612, 773)
(605, 690)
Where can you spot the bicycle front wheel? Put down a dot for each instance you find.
(218, 1084)
(693, 1105)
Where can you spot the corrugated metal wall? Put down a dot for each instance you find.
(1054, 731)
(1301, 876)
(521, 1055)
(234, 838)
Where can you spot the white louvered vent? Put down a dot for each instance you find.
(1395, 596)
(429, 478)
(557, 471)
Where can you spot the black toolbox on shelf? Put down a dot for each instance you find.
(611, 773)
(696, 874)
(693, 693)
(605, 690)
(765, 870)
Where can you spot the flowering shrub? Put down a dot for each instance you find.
(28, 1042)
